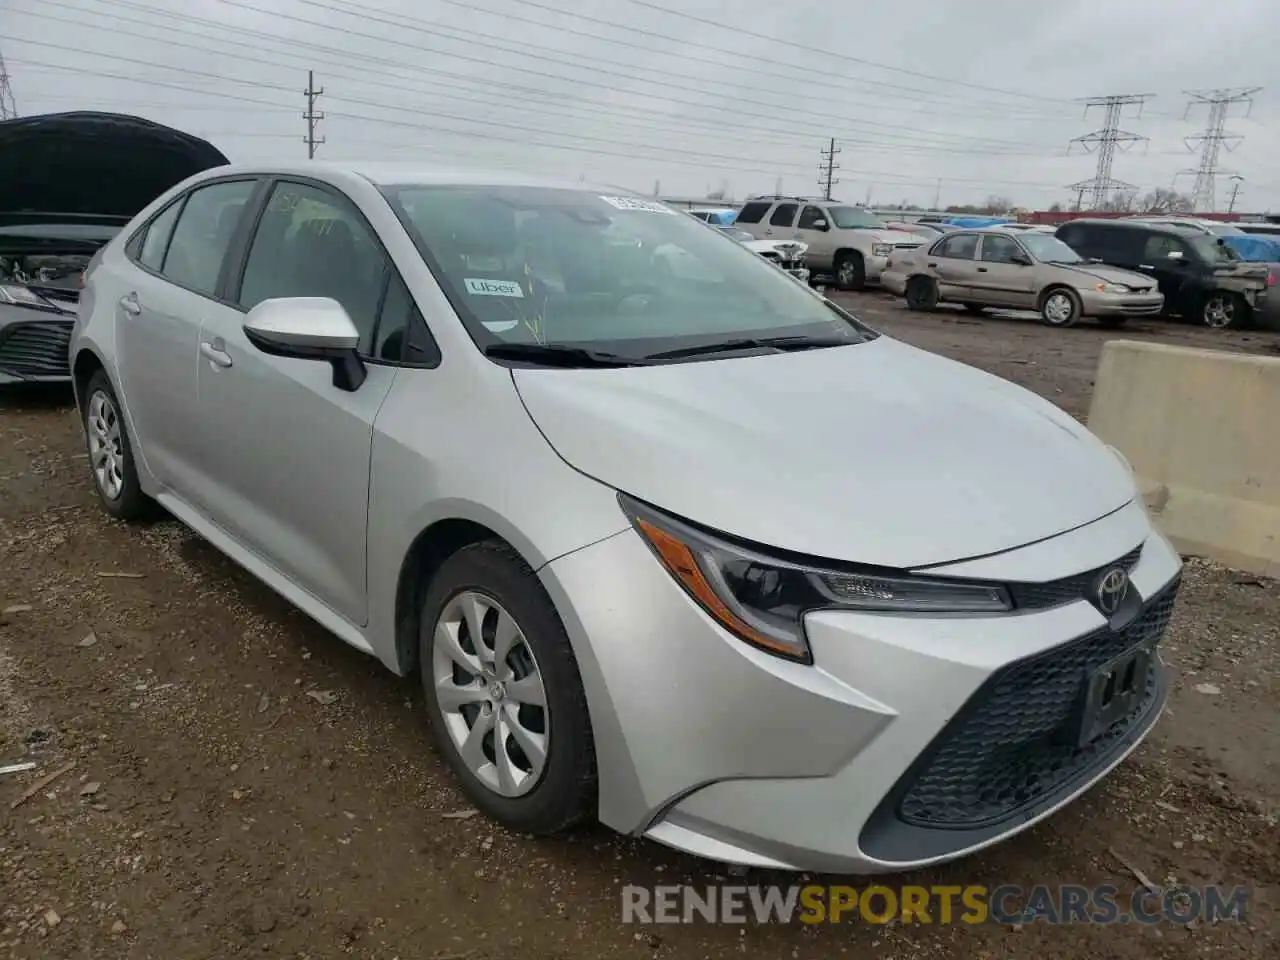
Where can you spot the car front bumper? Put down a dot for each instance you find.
(882, 756)
(1097, 304)
(875, 266)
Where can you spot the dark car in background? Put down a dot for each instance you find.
(1201, 278)
(68, 183)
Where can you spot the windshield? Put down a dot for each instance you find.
(850, 218)
(1224, 230)
(1048, 248)
(1213, 251)
(568, 267)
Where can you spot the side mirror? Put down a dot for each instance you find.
(819, 225)
(1021, 259)
(1174, 254)
(309, 328)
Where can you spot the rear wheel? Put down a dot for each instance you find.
(1222, 310)
(921, 293)
(851, 271)
(115, 475)
(1060, 307)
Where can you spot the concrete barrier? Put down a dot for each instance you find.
(1202, 431)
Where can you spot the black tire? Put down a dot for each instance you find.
(1223, 310)
(975, 308)
(128, 502)
(565, 792)
(850, 271)
(921, 293)
(1112, 323)
(1060, 307)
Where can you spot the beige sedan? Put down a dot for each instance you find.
(1019, 270)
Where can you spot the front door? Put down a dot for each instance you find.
(1171, 261)
(1000, 280)
(287, 462)
(815, 230)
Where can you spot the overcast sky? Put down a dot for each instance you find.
(930, 98)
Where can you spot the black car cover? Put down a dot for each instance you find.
(99, 164)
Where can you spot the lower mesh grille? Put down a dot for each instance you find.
(36, 349)
(1014, 744)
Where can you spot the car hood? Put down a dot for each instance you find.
(790, 247)
(896, 237)
(93, 167)
(1105, 274)
(875, 453)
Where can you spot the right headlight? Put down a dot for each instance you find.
(763, 600)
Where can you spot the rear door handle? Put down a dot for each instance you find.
(932, 266)
(214, 354)
(1145, 266)
(982, 269)
(129, 303)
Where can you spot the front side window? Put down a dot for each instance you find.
(997, 249)
(548, 266)
(312, 243)
(810, 216)
(203, 234)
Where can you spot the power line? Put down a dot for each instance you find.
(8, 106)
(1105, 141)
(828, 167)
(1214, 138)
(311, 93)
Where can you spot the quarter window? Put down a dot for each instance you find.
(203, 234)
(312, 243)
(155, 240)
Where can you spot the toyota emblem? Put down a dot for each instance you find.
(1111, 590)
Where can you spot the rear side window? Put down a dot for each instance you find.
(203, 234)
(155, 240)
(753, 213)
(963, 246)
(784, 216)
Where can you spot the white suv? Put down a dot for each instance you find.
(847, 243)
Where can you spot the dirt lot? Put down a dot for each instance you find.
(217, 809)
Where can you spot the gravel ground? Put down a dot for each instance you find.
(244, 783)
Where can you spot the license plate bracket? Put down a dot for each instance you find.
(1113, 691)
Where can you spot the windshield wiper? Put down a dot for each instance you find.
(559, 355)
(753, 343)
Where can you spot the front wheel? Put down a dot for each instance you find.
(1222, 310)
(504, 697)
(1060, 308)
(851, 271)
(921, 293)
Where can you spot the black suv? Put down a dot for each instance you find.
(1201, 279)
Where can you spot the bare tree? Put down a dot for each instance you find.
(1122, 201)
(996, 205)
(1055, 208)
(1164, 200)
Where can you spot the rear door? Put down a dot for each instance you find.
(752, 217)
(782, 221)
(160, 296)
(953, 263)
(1000, 280)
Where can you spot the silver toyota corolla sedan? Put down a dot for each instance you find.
(694, 552)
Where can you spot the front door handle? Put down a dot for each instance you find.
(129, 303)
(216, 356)
(982, 269)
(932, 266)
(1145, 266)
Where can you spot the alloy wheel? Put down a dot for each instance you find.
(106, 445)
(490, 694)
(1219, 311)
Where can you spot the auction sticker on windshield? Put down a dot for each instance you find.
(493, 288)
(636, 203)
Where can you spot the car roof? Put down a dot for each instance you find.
(384, 173)
(1151, 226)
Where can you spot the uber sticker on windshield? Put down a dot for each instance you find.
(493, 288)
(636, 203)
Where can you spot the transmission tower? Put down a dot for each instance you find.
(1105, 142)
(1214, 138)
(827, 169)
(311, 93)
(8, 109)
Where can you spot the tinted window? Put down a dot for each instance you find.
(203, 234)
(784, 216)
(1160, 245)
(155, 240)
(312, 243)
(402, 334)
(752, 212)
(1000, 249)
(810, 216)
(963, 246)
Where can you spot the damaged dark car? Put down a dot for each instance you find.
(68, 183)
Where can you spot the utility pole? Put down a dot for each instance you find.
(827, 169)
(8, 108)
(1214, 138)
(1235, 189)
(1105, 141)
(311, 93)
(937, 196)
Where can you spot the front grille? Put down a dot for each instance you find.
(36, 349)
(1040, 596)
(1014, 742)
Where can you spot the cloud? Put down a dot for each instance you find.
(965, 101)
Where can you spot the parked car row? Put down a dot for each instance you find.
(1106, 269)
